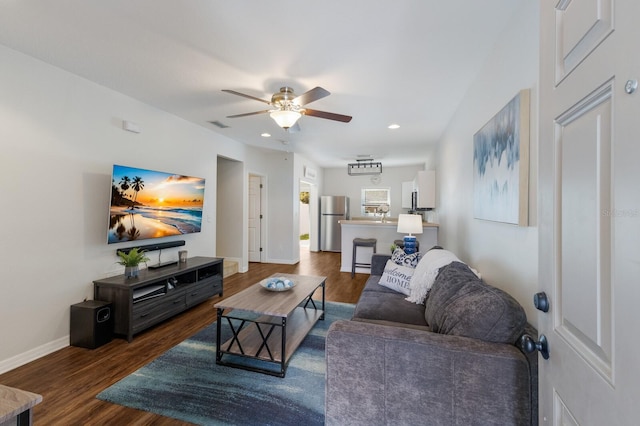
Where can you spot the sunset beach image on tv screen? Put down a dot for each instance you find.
(148, 204)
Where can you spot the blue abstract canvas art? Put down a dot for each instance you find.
(501, 165)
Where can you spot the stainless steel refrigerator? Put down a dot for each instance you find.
(332, 210)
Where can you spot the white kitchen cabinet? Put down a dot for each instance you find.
(425, 187)
(407, 190)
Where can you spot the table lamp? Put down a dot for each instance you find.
(409, 224)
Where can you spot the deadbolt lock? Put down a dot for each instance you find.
(631, 86)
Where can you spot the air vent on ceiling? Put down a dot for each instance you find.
(219, 124)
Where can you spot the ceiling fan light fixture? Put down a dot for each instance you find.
(285, 118)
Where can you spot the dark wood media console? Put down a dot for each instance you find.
(156, 295)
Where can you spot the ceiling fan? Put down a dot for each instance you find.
(287, 107)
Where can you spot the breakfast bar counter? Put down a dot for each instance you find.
(385, 232)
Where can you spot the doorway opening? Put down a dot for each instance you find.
(308, 223)
(305, 219)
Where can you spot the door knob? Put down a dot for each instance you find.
(528, 345)
(631, 86)
(541, 301)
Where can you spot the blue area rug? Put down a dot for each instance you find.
(185, 383)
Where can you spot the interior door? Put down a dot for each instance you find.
(589, 212)
(255, 219)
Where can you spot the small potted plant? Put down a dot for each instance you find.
(131, 261)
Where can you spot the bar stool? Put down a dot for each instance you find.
(361, 242)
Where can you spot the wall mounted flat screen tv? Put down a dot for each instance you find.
(147, 204)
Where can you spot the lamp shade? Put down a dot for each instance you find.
(409, 224)
(285, 118)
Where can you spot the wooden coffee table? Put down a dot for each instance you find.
(268, 326)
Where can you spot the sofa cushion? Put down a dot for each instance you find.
(378, 303)
(378, 262)
(372, 285)
(461, 304)
(397, 277)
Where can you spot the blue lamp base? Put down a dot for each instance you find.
(409, 244)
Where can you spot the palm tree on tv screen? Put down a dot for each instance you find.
(137, 185)
(125, 183)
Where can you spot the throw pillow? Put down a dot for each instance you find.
(461, 304)
(427, 271)
(401, 258)
(396, 277)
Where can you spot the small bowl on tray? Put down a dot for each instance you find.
(277, 284)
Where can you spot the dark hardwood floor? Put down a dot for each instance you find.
(70, 378)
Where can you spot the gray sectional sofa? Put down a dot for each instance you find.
(455, 360)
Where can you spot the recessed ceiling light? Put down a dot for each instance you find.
(265, 135)
(394, 126)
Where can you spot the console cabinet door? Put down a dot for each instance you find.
(152, 311)
(202, 290)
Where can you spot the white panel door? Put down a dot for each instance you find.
(589, 213)
(255, 219)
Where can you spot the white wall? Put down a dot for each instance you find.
(305, 219)
(338, 182)
(231, 240)
(60, 137)
(278, 211)
(506, 255)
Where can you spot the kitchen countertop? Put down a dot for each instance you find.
(387, 222)
(385, 233)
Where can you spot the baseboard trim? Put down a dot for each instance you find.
(33, 354)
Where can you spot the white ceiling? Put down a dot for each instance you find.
(408, 62)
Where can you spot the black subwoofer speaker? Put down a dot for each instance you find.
(91, 324)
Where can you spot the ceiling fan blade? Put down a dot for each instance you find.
(249, 113)
(311, 96)
(327, 115)
(233, 92)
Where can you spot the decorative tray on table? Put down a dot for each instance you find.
(277, 284)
